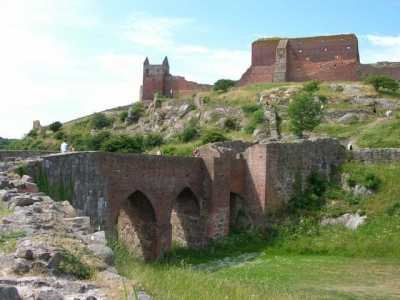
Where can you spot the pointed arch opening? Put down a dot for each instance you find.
(137, 225)
(188, 229)
(239, 217)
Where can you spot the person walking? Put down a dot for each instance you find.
(159, 151)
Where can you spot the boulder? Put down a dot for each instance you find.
(260, 133)
(4, 195)
(386, 104)
(348, 89)
(103, 252)
(107, 276)
(351, 221)
(50, 294)
(348, 118)
(78, 223)
(8, 292)
(20, 266)
(55, 261)
(363, 101)
(27, 178)
(96, 238)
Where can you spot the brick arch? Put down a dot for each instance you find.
(188, 228)
(137, 224)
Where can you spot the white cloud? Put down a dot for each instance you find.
(144, 29)
(376, 48)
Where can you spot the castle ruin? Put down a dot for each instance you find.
(324, 58)
(158, 78)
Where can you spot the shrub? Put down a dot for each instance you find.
(371, 181)
(72, 265)
(256, 118)
(188, 134)
(123, 143)
(153, 140)
(249, 109)
(123, 115)
(311, 86)
(55, 126)
(33, 133)
(95, 141)
(223, 84)
(20, 170)
(381, 81)
(213, 136)
(137, 111)
(59, 135)
(206, 100)
(351, 182)
(230, 124)
(99, 120)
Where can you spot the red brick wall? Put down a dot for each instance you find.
(308, 59)
(152, 83)
(263, 52)
(180, 86)
(388, 69)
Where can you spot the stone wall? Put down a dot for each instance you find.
(391, 69)
(15, 154)
(371, 156)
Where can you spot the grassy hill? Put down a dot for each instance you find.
(230, 113)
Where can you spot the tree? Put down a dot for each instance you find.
(304, 113)
(311, 86)
(223, 84)
(381, 81)
(55, 126)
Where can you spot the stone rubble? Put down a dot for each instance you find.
(31, 269)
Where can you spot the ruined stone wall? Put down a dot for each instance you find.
(381, 68)
(272, 168)
(371, 155)
(178, 85)
(12, 154)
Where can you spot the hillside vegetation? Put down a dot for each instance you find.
(177, 125)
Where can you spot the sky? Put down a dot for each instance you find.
(64, 59)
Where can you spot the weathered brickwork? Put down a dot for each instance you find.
(153, 200)
(158, 78)
(325, 58)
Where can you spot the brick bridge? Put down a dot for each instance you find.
(154, 200)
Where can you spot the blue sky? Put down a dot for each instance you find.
(63, 59)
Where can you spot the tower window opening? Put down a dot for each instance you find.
(335, 66)
(336, 56)
(298, 68)
(323, 40)
(348, 47)
(326, 49)
(300, 50)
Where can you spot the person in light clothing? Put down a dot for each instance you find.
(64, 147)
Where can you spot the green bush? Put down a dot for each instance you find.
(33, 133)
(382, 81)
(213, 136)
(95, 141)
(223, 84)
(256, 118)
(59, 135)
(371, 181)
(351, 182)
(137, 111)
(188, 134)
(99, 120)
(20, 170)
(123, 143)
(230, 124)
(249, 109)
(311, 86)
(153, 140)
(72, 265)
(123, 115)
(206, 100)
(55, 126)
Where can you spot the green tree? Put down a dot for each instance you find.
(188, 134)
(311, 86)
(153, 140)
(123, 143)
(304, 113)
(381, 81)
(55, 126)
(223, 84)
(213, 136)
(95, 142)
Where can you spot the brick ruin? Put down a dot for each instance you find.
(158, 78)
(150, 200)
(324, 58)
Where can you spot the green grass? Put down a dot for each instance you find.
(340, 131)
(326, 277)
(385, 135)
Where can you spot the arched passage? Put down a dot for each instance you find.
(137, 225)
(187, 226)
(239, 217)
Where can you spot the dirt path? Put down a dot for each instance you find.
(353, 139)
